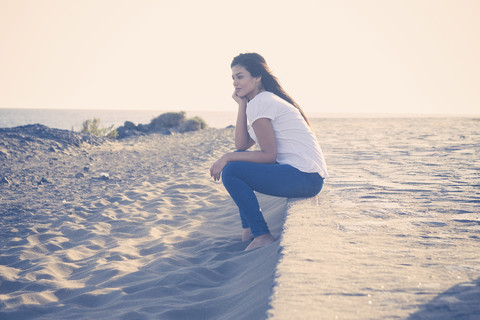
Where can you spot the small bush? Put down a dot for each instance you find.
(92, 126)
(203, 124)
(168, 120)
(193, 124)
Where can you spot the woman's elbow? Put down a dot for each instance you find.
(270, 157)
(244, 145)
(241, 147)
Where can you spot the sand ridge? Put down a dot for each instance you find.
(395, 233)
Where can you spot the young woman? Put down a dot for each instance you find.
(289, 162)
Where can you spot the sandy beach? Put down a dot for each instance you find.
(136, 228)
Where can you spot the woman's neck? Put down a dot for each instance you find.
(259, 91)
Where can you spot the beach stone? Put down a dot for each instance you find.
(79, 175)
(143, 127)
(129, 125)
(43, 180)
(121, 131)
(125, 133)
(86, 168)
(104, 176)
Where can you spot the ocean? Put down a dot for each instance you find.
(73, 119)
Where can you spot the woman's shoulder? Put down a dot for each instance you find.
(262, 105)
(267, 97)
(264, 100)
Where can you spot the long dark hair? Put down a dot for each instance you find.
(257, 66)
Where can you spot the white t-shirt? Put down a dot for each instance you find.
(296, 142)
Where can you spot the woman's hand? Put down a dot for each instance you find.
(241, 101)
(217, 167)
(243, 141)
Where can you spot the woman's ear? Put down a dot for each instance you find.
(258, 80)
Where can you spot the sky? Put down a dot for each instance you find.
(337, 56)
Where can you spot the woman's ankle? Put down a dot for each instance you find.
(247, 234)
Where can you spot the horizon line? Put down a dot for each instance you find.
(311, 114)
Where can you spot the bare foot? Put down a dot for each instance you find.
(247, 234)
(261, 241)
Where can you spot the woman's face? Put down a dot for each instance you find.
(245, 85)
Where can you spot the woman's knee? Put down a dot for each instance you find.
(233, 170)
(229, 171)
(315, 185)
(318, 186)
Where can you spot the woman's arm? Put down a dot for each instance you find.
(267, 153)
(243, 141)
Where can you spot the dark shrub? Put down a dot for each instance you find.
(168, 120)
(192, 124)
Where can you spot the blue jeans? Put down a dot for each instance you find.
(280, 180)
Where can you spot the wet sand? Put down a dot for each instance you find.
(396, 232)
